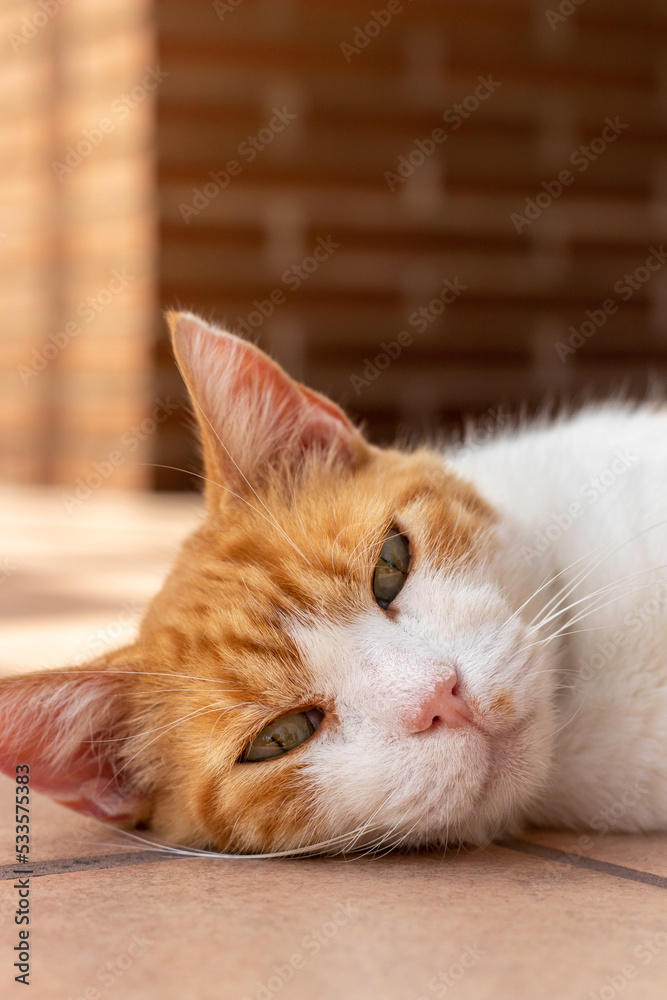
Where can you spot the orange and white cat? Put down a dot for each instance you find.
(365, 646)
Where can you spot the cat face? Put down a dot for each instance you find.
(335, 658)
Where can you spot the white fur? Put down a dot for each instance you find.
(610, 766)
(584, 745)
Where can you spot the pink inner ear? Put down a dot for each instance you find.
(321, 420)
(48, 722)
(292, 402)
(330, 420)
(253, 406)
(82, 781)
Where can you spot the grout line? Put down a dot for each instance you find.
(123, 859)
(580, 861)
(65, 866)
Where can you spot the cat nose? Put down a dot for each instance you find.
(443, 706)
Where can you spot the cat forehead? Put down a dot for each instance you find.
(317, 539)
(328, 509)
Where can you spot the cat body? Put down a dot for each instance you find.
(364, 646)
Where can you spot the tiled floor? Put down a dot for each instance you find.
(527, 920)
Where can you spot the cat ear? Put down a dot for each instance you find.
(250, 412)
(65, 725)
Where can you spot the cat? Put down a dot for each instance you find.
(365, 647)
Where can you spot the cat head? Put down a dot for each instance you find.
(339, 656)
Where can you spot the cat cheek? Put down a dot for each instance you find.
(254, 808)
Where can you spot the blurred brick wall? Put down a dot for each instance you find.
(358, 108)
(412, 147)
(77, 246)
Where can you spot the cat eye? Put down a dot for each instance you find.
(283, 735)
(391, 570)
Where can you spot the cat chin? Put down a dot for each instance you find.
(519, 773)
(469, 789)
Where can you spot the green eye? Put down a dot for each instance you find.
(283, 735)
(391, 570)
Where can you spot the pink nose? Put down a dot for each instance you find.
(444, 706)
